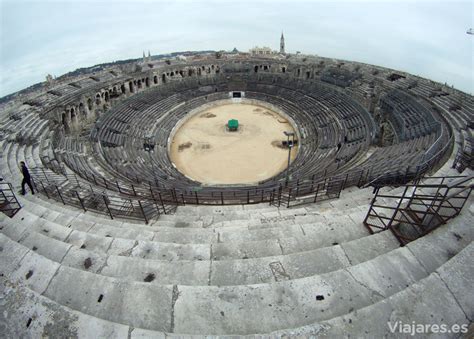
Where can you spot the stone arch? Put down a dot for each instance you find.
(72, 113)
(106, 96)
(64, 120)
(130, 86)
(155, 79)
(163, 78)
(139, 83)
(283, 69)
(89, 104)
(255, 69)
(82, 111)
(181, 73)
(122, 88)
(147, 82)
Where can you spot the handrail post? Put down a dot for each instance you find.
(57, 189)
(389, 225)
(107, 206)
(161, 201)
(289, 197)
(143, 212)
(44, 190)
(80, 201)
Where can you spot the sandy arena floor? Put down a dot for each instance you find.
(205, 151)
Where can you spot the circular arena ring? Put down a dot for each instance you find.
(106, 137)
(232, 194)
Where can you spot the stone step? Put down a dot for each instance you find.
(41, 207)
(304, 238)
(29, 314)
(101, 296)
(343, 226)
(200, 270)
(439, 298)
(310, 299)
(436, 299)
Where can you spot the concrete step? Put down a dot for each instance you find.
(136, 264)
(439, 298)
(310, 299)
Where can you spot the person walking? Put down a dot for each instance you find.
(26, 179)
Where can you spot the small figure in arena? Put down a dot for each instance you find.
(26, 179)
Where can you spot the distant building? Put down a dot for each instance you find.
(267, 50)
(261, 51)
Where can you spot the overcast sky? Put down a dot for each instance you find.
(427, 38)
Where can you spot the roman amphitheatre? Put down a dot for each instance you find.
(165, 206)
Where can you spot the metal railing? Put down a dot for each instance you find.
(8, 202)
(419, 208)
(70, 191)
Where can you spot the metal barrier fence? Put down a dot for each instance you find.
(420, 208)
(8, 202)
(70, 191)
(145, 201)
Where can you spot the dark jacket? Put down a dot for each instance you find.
(25, 172)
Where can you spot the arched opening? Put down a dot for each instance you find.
(218, 69)
(172, 74)
(265, 68)
(63, 120)
(155, 79)
(130, 86)
(81, 109)
(283, 69)
(212, 66)
(299, 72)
(139, 84)
(199, 71)
(106, 96)
(89, 104)
(307, 74)
(255, 69)
(147, 82)
(190, 72)
(122, 88)
(181, 73)
(73, 114)
(97, 98)
(163, 78)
